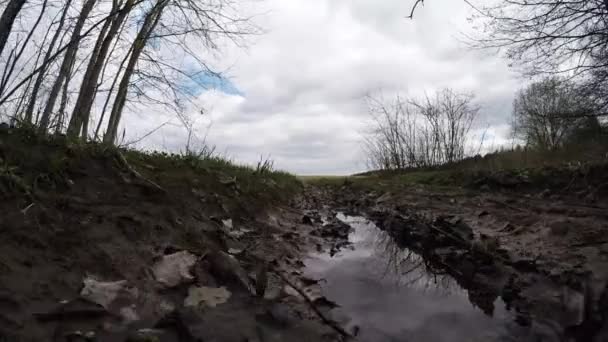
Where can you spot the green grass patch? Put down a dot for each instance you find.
(29, 160)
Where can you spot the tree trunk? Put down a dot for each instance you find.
(7, 19)
(67, 63)
(90, 70)
(150, 22)
(107, 102)
(64, 101)
(45, 63)
(17, 56)
(87, 94)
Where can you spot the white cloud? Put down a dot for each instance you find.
(304, 79)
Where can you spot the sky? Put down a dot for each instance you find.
(295, 93)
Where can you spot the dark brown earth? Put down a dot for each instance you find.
(100, 244)
(82, 236)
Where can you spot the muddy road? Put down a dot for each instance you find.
(461, 266)
(93, 251)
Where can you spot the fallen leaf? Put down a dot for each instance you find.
(206, 296)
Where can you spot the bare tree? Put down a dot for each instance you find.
(45, 63)
(86, 95)
(451, 116)
(16, 54)
(110, 16)
(7, 19)
(151, 20)
(127, 57)
(549, 36)
(545, 112)
(419, 132)
(67, 63)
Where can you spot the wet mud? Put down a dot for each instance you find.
(526, 296)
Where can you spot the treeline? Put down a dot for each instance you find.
(420, 133)
(561, 45)
(555, 113)
(553, 119)
(74, 66)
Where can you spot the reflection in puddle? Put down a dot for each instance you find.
(389, 294)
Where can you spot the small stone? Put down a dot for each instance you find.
(206, 296)
(174, 269)
(129, 314)
(228, 223)
(226, 269)
(235, 251)
(102, 293)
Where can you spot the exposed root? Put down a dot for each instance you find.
(123, 162)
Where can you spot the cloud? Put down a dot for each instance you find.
(296, 93)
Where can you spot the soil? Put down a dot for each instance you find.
(99, 247)
(83, 245)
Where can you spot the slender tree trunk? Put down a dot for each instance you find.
(66, 65)
(107, 102)
(22, 98)
(86, 95)
(7, 19)
(90, 70)
(22, 49)
(150, 22)
(38, 83)
(64, 101)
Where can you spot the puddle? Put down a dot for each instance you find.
(387, 294)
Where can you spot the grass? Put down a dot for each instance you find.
(29, 160)
(573, 167)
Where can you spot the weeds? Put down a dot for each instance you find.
(45, 161)
(10, 181)
(265, 165)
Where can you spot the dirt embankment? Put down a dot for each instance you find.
(106, 245)
(543, 252)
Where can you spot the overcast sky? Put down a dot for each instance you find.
(295, 93)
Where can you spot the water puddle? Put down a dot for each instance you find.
(386, 294)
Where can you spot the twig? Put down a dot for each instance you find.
(123, 161)
(24, 210)
(507, 205)
(314, 308)
(418, 2)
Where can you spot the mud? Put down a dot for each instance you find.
(544, 258)
(94, 252)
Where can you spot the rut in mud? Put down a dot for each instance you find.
(406, 264)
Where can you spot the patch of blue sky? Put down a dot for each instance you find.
(203, 81)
